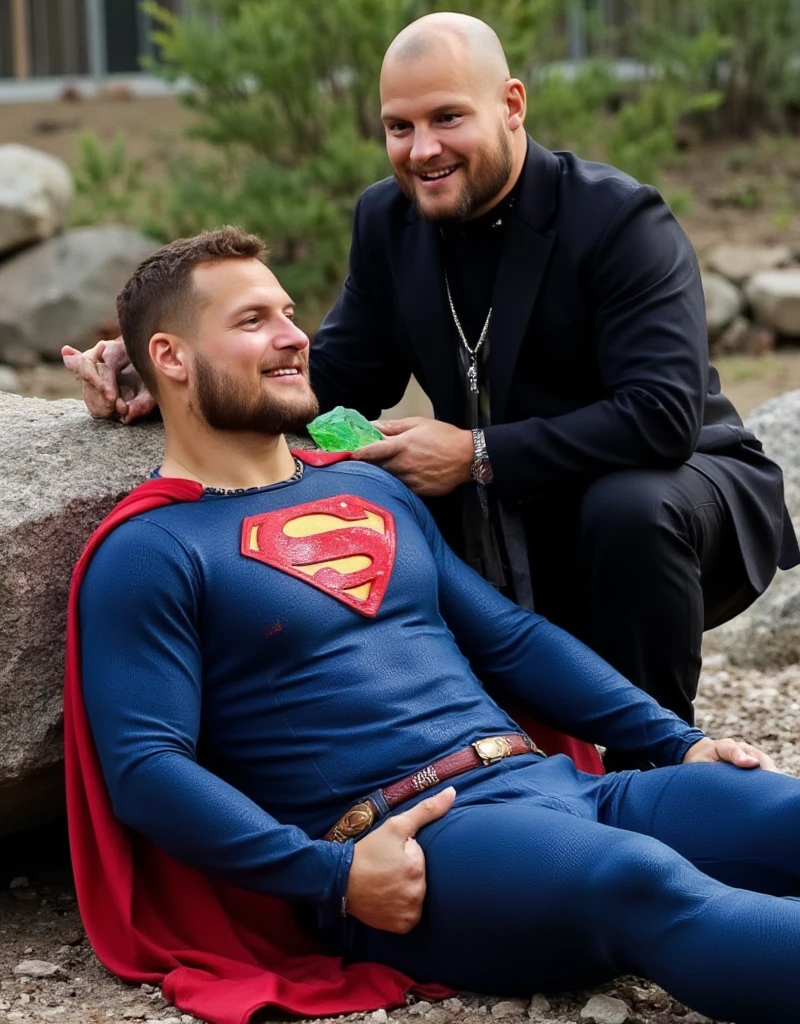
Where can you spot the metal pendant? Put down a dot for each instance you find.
(472, 376)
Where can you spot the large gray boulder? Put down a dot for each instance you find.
(767, 635)
(62, 472)
(775, 299)
(35, 194)
(63, 291)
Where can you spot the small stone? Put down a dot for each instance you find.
(9, 381)
(4, 1005)
(187, 1019)
(437, 1015)
(136, 1011)
(144, 987)
(24, 998)
(453, 1005)
(15, 1015)
(380, 1016)
(343, 430)
(19, 883)
(605, 1010)
(420, 1009)
(539, 1007)
(36, 969)
(509, 1008)
(740, 262)
(724, 302)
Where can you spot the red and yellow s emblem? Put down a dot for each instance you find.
(343, 546)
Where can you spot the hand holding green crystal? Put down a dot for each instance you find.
(343, 430)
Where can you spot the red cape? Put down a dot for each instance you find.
(219, 952)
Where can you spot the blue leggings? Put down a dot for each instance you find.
(543, 878)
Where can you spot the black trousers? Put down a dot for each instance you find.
(637, 565)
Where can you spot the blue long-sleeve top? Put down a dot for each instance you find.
(241, 699)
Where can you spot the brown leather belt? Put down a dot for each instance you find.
(372, 808)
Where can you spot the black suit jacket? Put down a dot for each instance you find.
(599, 353)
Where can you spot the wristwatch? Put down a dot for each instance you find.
(481, 466)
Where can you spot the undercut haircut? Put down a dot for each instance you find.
(161, 296)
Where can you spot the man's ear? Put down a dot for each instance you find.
(516, 102)
(170, 356)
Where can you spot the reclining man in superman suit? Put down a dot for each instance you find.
(297, 667)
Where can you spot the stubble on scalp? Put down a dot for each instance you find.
(463, 38)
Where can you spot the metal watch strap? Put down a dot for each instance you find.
(481, 466)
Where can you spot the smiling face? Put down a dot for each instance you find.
(250, 360)
(449, 131)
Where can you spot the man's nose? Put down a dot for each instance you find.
(425, 147)
(291, 337)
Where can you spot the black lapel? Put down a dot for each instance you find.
(529, 238)
(422, 303)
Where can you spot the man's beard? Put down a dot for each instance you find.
(487, 180)
(223, 406)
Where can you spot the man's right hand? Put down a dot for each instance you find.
(387, 877)
(112, 389)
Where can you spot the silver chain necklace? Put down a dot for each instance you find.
(472, 371)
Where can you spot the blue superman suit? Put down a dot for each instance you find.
(251, 672)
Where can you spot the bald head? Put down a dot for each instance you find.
(453, 40)
(453, 116)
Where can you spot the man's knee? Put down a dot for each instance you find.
(632, 510)
(636, 878)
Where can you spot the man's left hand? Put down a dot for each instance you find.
(429, 456)
(742, 755)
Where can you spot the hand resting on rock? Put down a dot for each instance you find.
(112, 389)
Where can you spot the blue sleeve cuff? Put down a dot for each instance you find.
(330, 912)
(681, 745)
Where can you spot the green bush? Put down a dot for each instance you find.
(109, 183)
(751, 63)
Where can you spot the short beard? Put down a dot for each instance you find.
(223, 406)
(488, 180)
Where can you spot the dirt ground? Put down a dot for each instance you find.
(54, 127)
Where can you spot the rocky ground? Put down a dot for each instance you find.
(48, 971)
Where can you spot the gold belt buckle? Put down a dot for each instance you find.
(357, 820)
(492, 749)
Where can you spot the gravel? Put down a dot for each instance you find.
(39, 922)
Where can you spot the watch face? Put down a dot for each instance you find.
(482, 471)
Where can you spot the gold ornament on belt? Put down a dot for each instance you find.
(357, 820)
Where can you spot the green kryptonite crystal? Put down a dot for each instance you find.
(343, 430)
